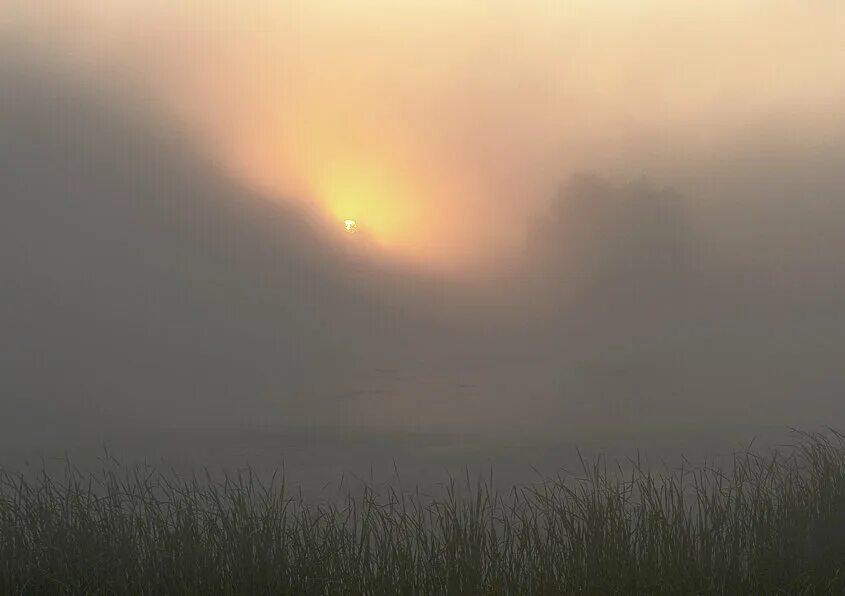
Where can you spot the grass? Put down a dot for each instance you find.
(764, 524)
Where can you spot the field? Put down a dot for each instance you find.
(763, 523)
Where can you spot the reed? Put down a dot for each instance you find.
(763, 524)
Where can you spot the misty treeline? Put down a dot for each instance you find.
(142, 286)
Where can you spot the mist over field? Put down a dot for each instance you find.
(344, 297)
(561, 244)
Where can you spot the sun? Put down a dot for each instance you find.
(350, 225)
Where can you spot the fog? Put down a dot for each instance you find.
(441, 126)
(674, 264)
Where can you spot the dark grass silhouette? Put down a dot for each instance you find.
(765, 524)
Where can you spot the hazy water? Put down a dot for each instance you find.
(322, 462)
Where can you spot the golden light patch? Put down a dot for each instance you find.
(350, 225)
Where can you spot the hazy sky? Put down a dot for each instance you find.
(441, 126)
(628, 211)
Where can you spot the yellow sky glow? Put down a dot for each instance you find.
(461, 114)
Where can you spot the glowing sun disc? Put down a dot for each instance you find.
(350, 225)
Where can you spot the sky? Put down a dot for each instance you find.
(570, 215)
(441, 127)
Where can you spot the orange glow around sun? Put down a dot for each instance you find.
(363, 184)
(384, 204)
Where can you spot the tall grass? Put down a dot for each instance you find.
(765, 524)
